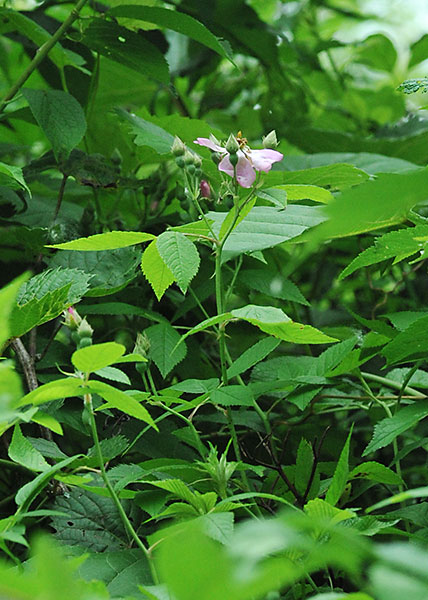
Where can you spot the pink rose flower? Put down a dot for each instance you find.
(249, 161)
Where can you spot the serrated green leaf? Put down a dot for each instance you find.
(174, 20)
(156, 271)
(12, 177)
(232, 395)
(166, 351)
(409, 344)
(340, 476)
(127, 48)
(387, 430)
(218, 526)
(97, 356)
(180, 255)
(324, 511)
(114, 374)
(252, 356)
(272, 284)
(375, 471)
(105, 241)
(275, 322)
(23, 452)
(36, 312)
(395, 244)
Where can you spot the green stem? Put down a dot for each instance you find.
(396, 385)
(127, 523)
(41, 53)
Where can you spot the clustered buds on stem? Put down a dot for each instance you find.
(81, 331)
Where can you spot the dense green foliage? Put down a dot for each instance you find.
(213, 377)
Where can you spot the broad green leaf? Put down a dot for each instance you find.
(54, 390)
(60, 116)
(377, 51)
(48, 421)
(175, 20)
(340, 476)
(165, 349)
(233, 217)
(266, 226)
(337, 176)
(408, 344)
(218, 526)
(27, 493)
(419, 50)
(111, 270)
(123, 402)
(23, 452)
(304, 462)
(387, 430)
(232, 395)
(12, 177)
(375, 471)
(180, 255)
(321, 510)
(147, 133)
(354, 211)
(272, 284)
(127, 48)
(298, 191)
(155, 270)
(367, 161)
(252, 356)
(395, 244)
(105, 241)
(44, 297)
(95, 357)
(275, 322)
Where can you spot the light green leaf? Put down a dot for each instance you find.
(275, 322)
(23, 452)
(296, 191)
(340, 477)
(174, 20)
(97, 356)
(61, 118)
(105, 241)
(127, 48)
(155, 270)
(387, 430)
(54, 390)
(336, 176)
(395, 244)
(7, 302)
(123, 402)
(12, 177)
(252, 356)
(323, 511)
(114, 374)
(232, 395)
(165, 349)
(180, 255)
(375, 471)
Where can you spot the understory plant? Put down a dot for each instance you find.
(212, 316)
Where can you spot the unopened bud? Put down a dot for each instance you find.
(197, 161)
(270, 140)
(189, 158)
(204, 188)
(84, 330)
(232, 145)
(233, 159)
(216, 157)
(142, 345)
(180, 162)
(72, 319)
(178, 148)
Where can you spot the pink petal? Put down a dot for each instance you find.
(263, 159)
(245, 173)
(209, 144)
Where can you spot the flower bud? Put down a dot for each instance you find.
(178, 148)
(233, 159)
(216, 157)
(270, 141)
(189, 158)
(197, 161)
(232, 145)
(204, 188)
(72, 319)
(84, 330)
(142, 344)
(191, 169)
(180, 162)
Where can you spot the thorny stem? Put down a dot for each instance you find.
(127, 523)
(41, 53)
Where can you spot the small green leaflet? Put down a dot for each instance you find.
(165, 349)
(180, 255)
(340, 477)
(304, 462)
(155, 270)
(61, 118)
(421, 492)
(105, 241)
(232, 395)
(12, 177)
(147, 133)
(252, 356)
(120, 400)
(97, 356)
(395, 244)
(387, 430)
